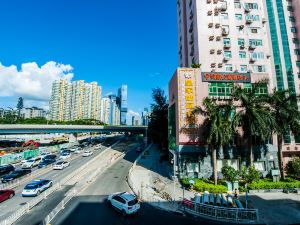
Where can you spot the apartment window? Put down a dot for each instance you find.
(242, 55)
(239, 30)
(226, 41)
(252, 17)
(292, 19)
(297, 52)
(290, 8)
(251, 5)
(293, 29)
(256, 42)
(254, 30)
(238, 16)
(228, 68)
(241, 41)
(295, 40)
(259, 68)
(237, 5)
(243, 68)
(224, 16)
(227, 54)
(257, 55)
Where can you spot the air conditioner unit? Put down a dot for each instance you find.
(242, 46)
(227, 45)
(263, 20)
(218, 38)
(226, 58)
(216, 1)
(213, 70)
(208, 1)
(210, 25)
(249, 20)
(212, 51)
(220, 65)
(219, 52)
(252, 47)
(209, 13)
(216, 13)
(217, 25)
(211, 37)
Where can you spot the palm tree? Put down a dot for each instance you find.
(253, 115)
(217, 126)
(287, 117)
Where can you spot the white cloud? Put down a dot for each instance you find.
(132, 113)
(31, 81)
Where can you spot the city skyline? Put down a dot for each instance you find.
(86, 41)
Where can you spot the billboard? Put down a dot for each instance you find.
(226, 77)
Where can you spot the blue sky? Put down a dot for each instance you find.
(111, 42)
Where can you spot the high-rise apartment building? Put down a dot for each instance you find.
(75, 100)
(105, 110)
(122, 94)
(110, 110)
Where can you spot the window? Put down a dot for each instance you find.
(290, 8)
(241, 41)
(227, 54)
(251, 5)
(292, 19)
(293, 29)
(297, 52)
(219, 89)
(254, 30)
(256, 42)
(238, 16)
(242, 55)
(252, 17)
(237, 5)
(243, 68)
(239, 30)
(224, 16)
(258, 68)
(228, 68)
(257, 55)
(295, 40)
(226, 41)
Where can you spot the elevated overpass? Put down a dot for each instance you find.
(46, 129)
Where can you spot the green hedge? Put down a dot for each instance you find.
(204, 185)
(269, 184)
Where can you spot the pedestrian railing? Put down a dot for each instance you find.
(224, 214)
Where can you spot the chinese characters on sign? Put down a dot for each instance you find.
(226, 77)
(187, 98)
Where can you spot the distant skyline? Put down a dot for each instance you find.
(112, 42)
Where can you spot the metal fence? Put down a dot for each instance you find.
(221, 213)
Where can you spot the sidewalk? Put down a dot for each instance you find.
(149, 179)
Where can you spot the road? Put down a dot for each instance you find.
(11, 205)
(90, 206)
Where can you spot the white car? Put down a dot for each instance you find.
(30, 163)
(98, 147)
(65, 155)
(61, 165)
(124, 202)
(87, 153)
(36, 187)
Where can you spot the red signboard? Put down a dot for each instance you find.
(226, 77)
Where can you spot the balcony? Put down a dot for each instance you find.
(252, 47)
(227, 45)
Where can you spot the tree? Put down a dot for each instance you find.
(218, 127)
(158, 124)
(20, 105)
(230, 173)
(250, 174)
(253, 115)
(287, 117)
(293, 167)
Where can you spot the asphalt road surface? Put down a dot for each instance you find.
(91, 208)
(9, 206)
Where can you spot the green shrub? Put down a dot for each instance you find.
(269, 184)
(293, 167)
(204, 185)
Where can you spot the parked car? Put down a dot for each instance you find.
(52, 156)
(25, 160)
(65, 156)
(124, 202)
(75, 148)
(6, 194)
(78, 151)
(46, 162)
(87, 153)
(97, 147)
(14, 175)
(36, 187)
(61, 165)
(29, 164)
(65, 151)
(6, 169)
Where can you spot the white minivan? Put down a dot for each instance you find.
(124, 202)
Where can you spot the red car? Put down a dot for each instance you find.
(6, 194)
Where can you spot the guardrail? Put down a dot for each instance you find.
(24, 209)
(223, 214)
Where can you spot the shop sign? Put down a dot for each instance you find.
(226, 77)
